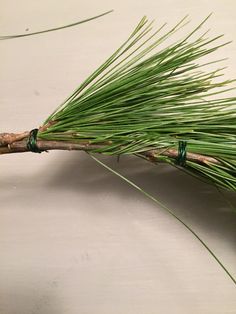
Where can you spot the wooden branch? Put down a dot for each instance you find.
(21, 146)
(9, 138)
(154, 155)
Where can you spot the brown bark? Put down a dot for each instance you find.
(9, 138)
(17, 143)
(173, 153)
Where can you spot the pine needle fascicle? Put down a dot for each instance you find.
(143, 98)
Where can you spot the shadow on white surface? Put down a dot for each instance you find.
(196, 202)
(69, 218)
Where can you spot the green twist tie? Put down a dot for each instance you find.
(32, 141)
(182, 153)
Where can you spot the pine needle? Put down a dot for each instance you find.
(164, 207)
(53, 29)
(146, 96)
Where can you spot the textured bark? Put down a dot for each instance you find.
(17, 143)
(9, 138)
(173, 153)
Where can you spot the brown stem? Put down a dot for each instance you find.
(153, 155)
(9, 138)
(20, 146)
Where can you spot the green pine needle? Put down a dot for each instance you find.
(164, 207)
(53, 29)
(147, 97)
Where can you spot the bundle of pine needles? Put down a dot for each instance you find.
(157, 104)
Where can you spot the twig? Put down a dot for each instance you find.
(17, 143)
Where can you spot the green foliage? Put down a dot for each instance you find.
(142, 98)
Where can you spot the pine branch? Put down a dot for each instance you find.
(17, 143)
(158, 105)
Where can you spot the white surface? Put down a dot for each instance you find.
(73, 237)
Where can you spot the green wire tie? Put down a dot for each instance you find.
(32, 146)
(182, 154)
(32, 141)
